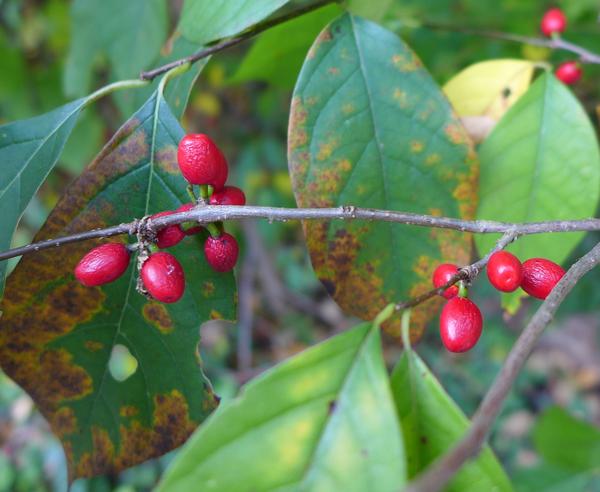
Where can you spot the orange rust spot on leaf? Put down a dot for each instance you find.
(128, 411)
(208, 288)
(322, 38)
(456, 133)
(333, 70)
(64, 421)
(407, 62)
(400, 97)
(93, 346)
(432, 159)
(214, 314)
(417, 146)
(166, 159)
(327, 148)
(158, 316)
(348, 108)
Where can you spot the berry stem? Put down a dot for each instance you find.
(213, 230)
(462, 289)
(205, 192)
(191, 193)
(405, 328)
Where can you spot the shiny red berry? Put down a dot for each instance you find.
(163, 277)
(170, 235)
(540, 276)
(441, 275)
(230, 195)
(460, 324)
(103, 264)
(554, 21)
(201, 161)
(505, 272)
(221, 252)
(192, 230)
(569, 72)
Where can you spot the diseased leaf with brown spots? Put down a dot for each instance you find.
(56, 336)
(370, 128)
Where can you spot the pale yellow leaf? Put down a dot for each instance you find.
(489, 88)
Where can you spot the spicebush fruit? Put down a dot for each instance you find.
(441, 275)
(540, 276)
(170, 235)
(230, 195)
(553, 21)
(163, 277)
(103, 264)
(504, 271)
(569, 72)
(460, 324)
(201, 162)
(221, 252)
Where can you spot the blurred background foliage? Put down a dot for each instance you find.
(52, 51)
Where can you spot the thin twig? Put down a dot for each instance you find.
(441, 471)
(469, 272)
(558, 43)
(206, 213)
(228, 43)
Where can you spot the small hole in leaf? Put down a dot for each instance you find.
(506, 92)
(122, 364)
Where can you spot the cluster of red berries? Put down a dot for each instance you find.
(554, 22)
(461, 322)
(203, 164)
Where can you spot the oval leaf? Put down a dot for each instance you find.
(489, 88)
(541, 162)
(432, 423)
(323, 420)
(57, 337)
(370, 128)
(29, 150)
(206, 20)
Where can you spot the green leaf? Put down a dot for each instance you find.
(278, 54)
(541, 162)
(374, 10)
(206, 20)
(130, 34)
(29, 150)
(57, 336)
(432, 423)
(565, 441)
(370, 128)
(552, 479)
(323, 420)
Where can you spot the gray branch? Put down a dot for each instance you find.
(441, 471)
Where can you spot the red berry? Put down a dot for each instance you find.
(569, 72)
(442, 275)
(221, 252)
(460, 324)
(163, 277)
(201, 161)
(505, 272)
(554, 20)
(170, 235)
(192, 230)
(540, 276)
(230, 195)
(103, 264)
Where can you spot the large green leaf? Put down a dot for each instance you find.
(432, 423)
(321, 421)
(541, 162)
(278, 54)
(130, 34)
(29, 150)
(57, 336)
(370, 128)
(206, 20)
(567, 442)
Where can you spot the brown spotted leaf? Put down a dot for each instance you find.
(370, 128)
(56, 336)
